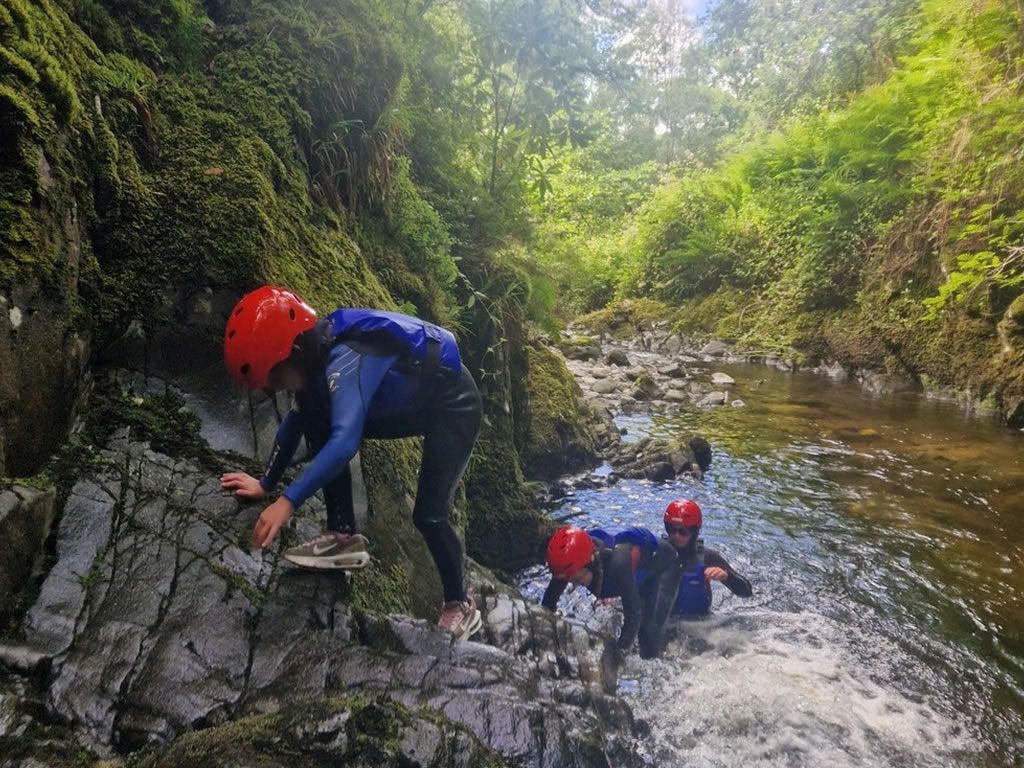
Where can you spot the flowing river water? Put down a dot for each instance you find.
(884, 537)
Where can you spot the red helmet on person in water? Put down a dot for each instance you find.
(683, 512)
(260, 332)
(569, 550)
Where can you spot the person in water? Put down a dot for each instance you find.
(700, 565)
(632, 564)
(357, 373)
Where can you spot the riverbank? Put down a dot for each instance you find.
(960, 359)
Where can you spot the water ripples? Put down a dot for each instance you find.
(885, 542)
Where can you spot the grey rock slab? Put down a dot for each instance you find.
(720, 379)
(714, 349)
(161, 622)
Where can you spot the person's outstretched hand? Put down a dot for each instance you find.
(715, 574)
(270, 522)
(244, 486)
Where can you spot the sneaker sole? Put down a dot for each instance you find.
(345, 562)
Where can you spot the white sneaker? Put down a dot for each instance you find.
(460, 618)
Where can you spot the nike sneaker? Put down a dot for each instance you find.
(331, 551)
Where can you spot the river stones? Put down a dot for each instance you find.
(713, 398)
(617, 357)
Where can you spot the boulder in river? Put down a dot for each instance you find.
(645, 388)
(713, 398)
(662, 458)
(720, 379)
(714, 349)
(617, 357)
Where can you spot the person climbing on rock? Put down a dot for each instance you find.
(700, 565)
(357, 373)
(631, 563)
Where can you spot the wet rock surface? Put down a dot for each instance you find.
(159, 621)
(25, 518)
(338, 731)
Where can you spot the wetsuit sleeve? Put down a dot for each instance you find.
(352, 380)
(286, 441)
(736, 583)
(553, 593)
(620, 571)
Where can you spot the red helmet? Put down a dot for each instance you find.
(569, 550)
(260, 333)
(683, 512)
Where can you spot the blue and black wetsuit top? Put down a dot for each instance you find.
(362, 383)
(622, 555)
(694, 596)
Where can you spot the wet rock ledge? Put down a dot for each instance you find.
(156, 621)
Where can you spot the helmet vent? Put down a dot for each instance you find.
(245, 369)
(291, 314)
(239, 311)
(231, 333)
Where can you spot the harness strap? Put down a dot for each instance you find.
(428, 373)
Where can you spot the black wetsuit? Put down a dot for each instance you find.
(355, 391)
(646, 606)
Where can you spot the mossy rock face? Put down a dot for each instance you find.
(626, 319)
(560, 438)
(505, 530)
(354, 732)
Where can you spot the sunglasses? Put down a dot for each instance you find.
(681, 530)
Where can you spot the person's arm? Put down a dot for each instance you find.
(352, 381)
(286, 442)
(620, 571)
(736, 583)
(553, 593)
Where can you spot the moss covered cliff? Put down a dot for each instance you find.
(161, 158)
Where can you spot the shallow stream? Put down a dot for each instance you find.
(884, 536)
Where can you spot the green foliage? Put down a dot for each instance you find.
(804, 214)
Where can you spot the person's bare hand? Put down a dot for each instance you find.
(270, 521)
(244, 486)
(715, 574)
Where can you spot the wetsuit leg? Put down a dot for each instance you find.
(448, 440)
(341, 513)
(659, 597)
